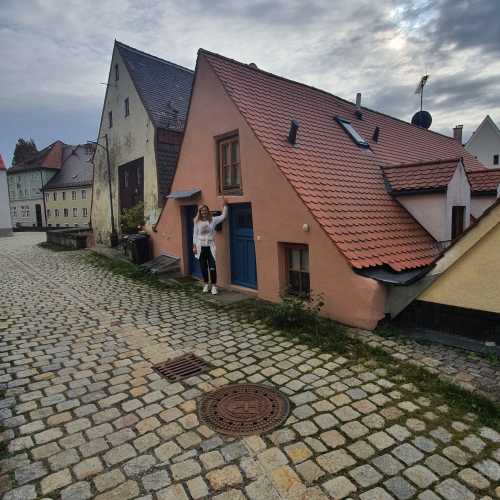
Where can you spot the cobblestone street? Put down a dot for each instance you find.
(86, 416)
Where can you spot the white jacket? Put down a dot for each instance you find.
(210, 237)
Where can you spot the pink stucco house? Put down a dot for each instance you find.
(313, 204)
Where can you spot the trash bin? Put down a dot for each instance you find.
(137, 248)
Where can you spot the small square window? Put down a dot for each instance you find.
(110, 119)
(127, 108)
(297, 269)
(495, 159)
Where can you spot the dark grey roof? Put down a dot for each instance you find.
(391, 277)
(163, 87)
(77, 169)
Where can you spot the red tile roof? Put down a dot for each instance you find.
(485, 181)
(423, 176)
(340, 183)
(2, 164)
(49, 157)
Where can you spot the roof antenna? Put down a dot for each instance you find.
(422, 118)
(292, 134)
(420, 89)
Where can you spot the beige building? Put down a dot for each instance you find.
(68, 195)
(142, 123)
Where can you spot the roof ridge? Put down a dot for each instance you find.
(256, 68)
(151, 56)
(440, 161)
(484, 171)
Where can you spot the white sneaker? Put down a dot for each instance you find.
(214, 290)
(205, 288)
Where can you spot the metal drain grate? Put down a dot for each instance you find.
(181, 367)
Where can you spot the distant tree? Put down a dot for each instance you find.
(25, 149)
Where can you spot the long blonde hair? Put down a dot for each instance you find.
(198, 215)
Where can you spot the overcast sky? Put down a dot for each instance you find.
(55, 53)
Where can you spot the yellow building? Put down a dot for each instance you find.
(468, 273)
(461, 293)
(68, 195)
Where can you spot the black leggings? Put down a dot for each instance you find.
(207, 263)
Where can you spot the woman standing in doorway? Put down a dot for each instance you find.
(204, 244)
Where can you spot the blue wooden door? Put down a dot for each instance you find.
(243, 265)
(193, 263)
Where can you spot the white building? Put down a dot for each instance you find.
(5, 220)
(26, 181)
(484, 143)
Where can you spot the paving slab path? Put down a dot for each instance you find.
(86, 416)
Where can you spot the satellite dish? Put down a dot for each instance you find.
(422, 119)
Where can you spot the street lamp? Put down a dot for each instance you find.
(114, 235)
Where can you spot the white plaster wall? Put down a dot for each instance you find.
(5, 221)
(429, 210)
(29, 221)
(483, 144)
(130, 138)
(458, 193)
(480, 203)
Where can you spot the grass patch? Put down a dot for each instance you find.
(300, 322)
(129, 270)
(55, 248)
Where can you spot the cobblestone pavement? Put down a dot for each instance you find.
(88, 418)
(470, 371)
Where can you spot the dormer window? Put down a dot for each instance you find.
(351, 132)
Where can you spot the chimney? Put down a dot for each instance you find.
(457, 133)
(358, 106)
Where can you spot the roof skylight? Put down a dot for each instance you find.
(352, 132)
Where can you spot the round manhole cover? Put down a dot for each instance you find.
(243, 409)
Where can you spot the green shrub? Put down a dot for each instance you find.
(132, 219)
(295, 312)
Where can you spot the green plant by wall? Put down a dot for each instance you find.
(132, 219)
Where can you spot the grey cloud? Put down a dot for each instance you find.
(53, 58)
(455, 24)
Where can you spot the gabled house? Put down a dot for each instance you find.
(5, 220)
(484, 143)
(315, 205)
(140, 133)
(68, 194)
(26, 184)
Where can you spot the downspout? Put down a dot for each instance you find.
(43, 199)
(114, 236)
